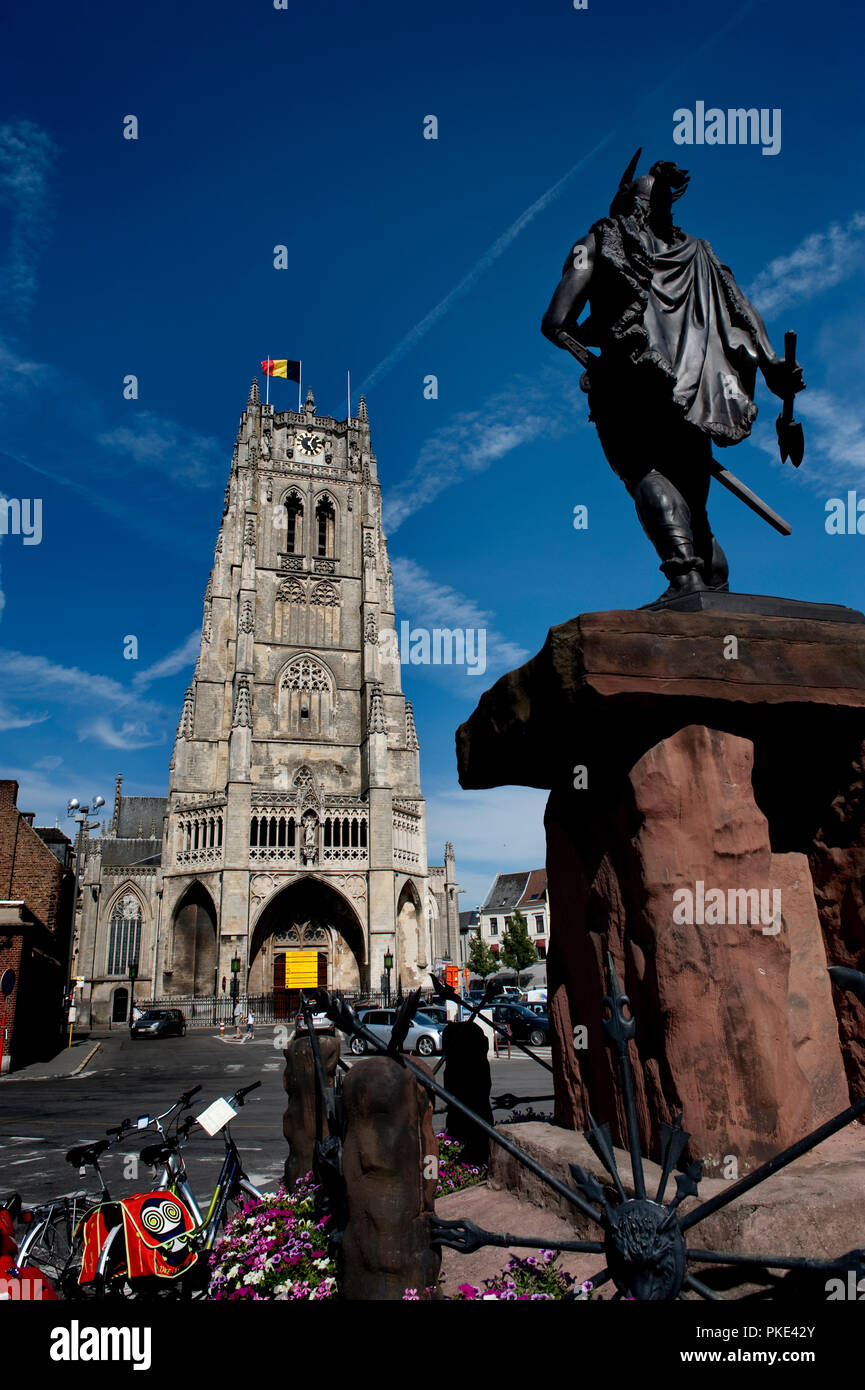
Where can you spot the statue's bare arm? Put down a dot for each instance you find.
(572, 291)
(778, 376)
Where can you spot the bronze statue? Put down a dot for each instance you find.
(680, 346)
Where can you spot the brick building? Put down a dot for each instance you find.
(36, 887)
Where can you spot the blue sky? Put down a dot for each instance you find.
(407, 257)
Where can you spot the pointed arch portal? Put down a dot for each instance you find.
(195, 945)
(307, 915)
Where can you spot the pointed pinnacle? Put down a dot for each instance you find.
(254, 398)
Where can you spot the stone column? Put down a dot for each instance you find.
(389, 1134)
(692, 759)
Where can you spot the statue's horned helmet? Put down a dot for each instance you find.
(660, 188)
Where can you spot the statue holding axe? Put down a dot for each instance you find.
(680, 347)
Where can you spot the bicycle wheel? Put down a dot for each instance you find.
(55, 1244)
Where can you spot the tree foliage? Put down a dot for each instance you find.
(481, 960)
(517, 951)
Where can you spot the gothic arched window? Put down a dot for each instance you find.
(124, 940)
(325, 517)
(306, 698)
(294, 521)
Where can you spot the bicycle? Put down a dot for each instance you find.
(131, 1263)
(54, 1237)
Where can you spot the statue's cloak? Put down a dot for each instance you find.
(673, 326)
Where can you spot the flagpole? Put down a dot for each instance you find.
(348, 393)
(299, 376)
(267, 385)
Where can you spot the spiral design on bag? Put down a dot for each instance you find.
(161, 1217)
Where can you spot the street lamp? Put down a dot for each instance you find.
(75, 811)
(388, 965)
(133, 975)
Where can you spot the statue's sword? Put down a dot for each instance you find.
(724, 476)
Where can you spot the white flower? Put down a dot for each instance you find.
(233, 1272)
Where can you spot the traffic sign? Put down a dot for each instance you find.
(7, 983)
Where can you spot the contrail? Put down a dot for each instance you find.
(501, 244)
(487, 259)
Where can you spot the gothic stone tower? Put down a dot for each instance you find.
(295, 817)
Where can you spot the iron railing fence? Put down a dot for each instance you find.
(209, 1010)
(641, 1237)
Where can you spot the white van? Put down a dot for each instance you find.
(536, 996)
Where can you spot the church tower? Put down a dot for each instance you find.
(295, 819)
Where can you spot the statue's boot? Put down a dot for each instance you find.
(713, 561)
(666, 519)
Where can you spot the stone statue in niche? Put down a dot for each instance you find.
(310, 839)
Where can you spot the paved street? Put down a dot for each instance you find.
(41, 1119)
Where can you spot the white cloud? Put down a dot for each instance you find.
(821, 261)
(131, 735)
(178, 660)
(26, 157)
(425, 603)
(49, 763)
(495, 831)
(13, 719)
(158, 443)
(38, 675)
(834, 442)
(475, 439)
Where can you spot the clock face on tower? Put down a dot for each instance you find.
(310, 444)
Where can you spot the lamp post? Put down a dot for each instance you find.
(133, 975)
(388, 965)
(75, 811)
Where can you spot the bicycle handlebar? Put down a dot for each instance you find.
(186, 1098)
(244, 1091)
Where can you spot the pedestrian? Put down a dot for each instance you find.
(250, 1024)
(238, 1015)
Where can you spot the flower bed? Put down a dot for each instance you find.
(453, 1172)
(275, 1249)
(535, 1278)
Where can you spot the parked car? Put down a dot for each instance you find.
(320, 1023)
(159, 1023)
(537, 1008)
(437, 1012)
(525, 1026)
(424, 1036)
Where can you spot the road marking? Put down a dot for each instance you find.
(271, 1066)
(234, 1066)
(19, 1161)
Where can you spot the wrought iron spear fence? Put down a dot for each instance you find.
(641, 1238)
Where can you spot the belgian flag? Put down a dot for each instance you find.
(282, 367)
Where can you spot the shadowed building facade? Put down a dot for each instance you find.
(294, 818)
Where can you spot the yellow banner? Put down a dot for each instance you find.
(301, 969)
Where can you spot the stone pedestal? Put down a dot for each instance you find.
(705, 826)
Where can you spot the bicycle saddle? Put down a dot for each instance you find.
(86, 1154)
(158, 1153)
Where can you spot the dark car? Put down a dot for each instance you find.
(525, 1026)
(159, 1023)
